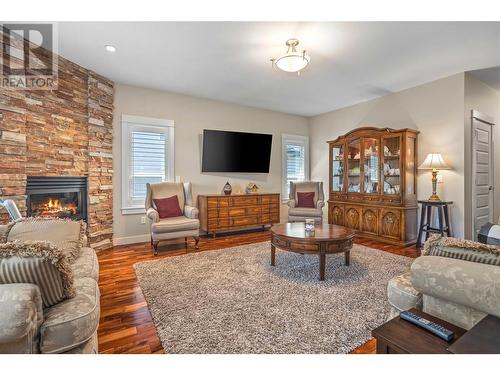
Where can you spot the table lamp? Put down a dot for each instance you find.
(435, 162)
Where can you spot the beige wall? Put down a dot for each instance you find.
(483, 98)
(436, 109)
(191, 116)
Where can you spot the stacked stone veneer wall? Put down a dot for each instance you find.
(67, 131)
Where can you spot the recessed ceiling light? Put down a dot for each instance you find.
(110, 48)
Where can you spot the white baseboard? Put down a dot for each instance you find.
(131, 239)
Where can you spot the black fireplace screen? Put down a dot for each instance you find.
(63, 197)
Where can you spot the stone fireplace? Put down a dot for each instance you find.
(61, 135)
(63, 197)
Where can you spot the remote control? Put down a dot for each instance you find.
(432, 327)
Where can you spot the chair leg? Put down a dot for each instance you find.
(155, 247)
(196, 241)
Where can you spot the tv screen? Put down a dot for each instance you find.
(236, 152)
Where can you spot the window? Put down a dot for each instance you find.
(295, 161)
(147, 156)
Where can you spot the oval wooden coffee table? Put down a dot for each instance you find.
(326, 239)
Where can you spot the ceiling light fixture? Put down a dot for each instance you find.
(292, 61)
(110, 48)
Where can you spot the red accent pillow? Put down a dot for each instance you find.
(305, 200)
(168, 207)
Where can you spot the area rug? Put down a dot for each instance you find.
(234, 301)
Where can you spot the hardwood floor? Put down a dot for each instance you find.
(126, 325)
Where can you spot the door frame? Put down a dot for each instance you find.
(487, 120)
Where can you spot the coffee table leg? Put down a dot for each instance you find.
(322, 261)
(273, 255)
(348, 257)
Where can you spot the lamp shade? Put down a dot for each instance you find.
(434, 161)
(292, 61)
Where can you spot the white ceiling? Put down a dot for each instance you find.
(229, 61)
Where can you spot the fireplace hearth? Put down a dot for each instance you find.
(61, 196)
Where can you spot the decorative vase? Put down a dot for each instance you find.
(227, 188)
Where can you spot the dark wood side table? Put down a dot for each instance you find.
(426, 217)
(397, 336)
(483, 338)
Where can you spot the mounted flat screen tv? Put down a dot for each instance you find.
(236, 152)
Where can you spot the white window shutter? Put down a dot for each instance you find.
(295, 161)
(295, 164)
(147, 157)
(148, 160)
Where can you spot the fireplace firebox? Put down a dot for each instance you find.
(61, 196)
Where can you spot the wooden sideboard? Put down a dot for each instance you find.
(229, 212)
(373, 184)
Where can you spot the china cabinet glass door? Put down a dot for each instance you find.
(353, 165)
(411, 188)
(371, 165)
(337, 168)
(392, 165)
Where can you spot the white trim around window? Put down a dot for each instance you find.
(138, 132)
(290, 171)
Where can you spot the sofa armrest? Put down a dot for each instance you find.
(291, 203)
(320, 204)
(472, 284)
(22, 314)
(191, 212)
(153, 215)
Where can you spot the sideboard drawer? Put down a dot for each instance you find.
(212, 203)
(212, 213)
(244, 201)
(270, 219)
(218, 202)
(214, 224)
(270, 199)
(254, 210)
(238, 211)
(245, 220)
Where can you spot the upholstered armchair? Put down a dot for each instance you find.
(296, 213)
(169, 228)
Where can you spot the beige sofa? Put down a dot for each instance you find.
(455, 280)
(69, 326)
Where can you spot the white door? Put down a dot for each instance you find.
(482, 171)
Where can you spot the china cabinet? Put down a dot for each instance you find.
(373, 185)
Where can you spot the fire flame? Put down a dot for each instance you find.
(55, 206)
(54, 203)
